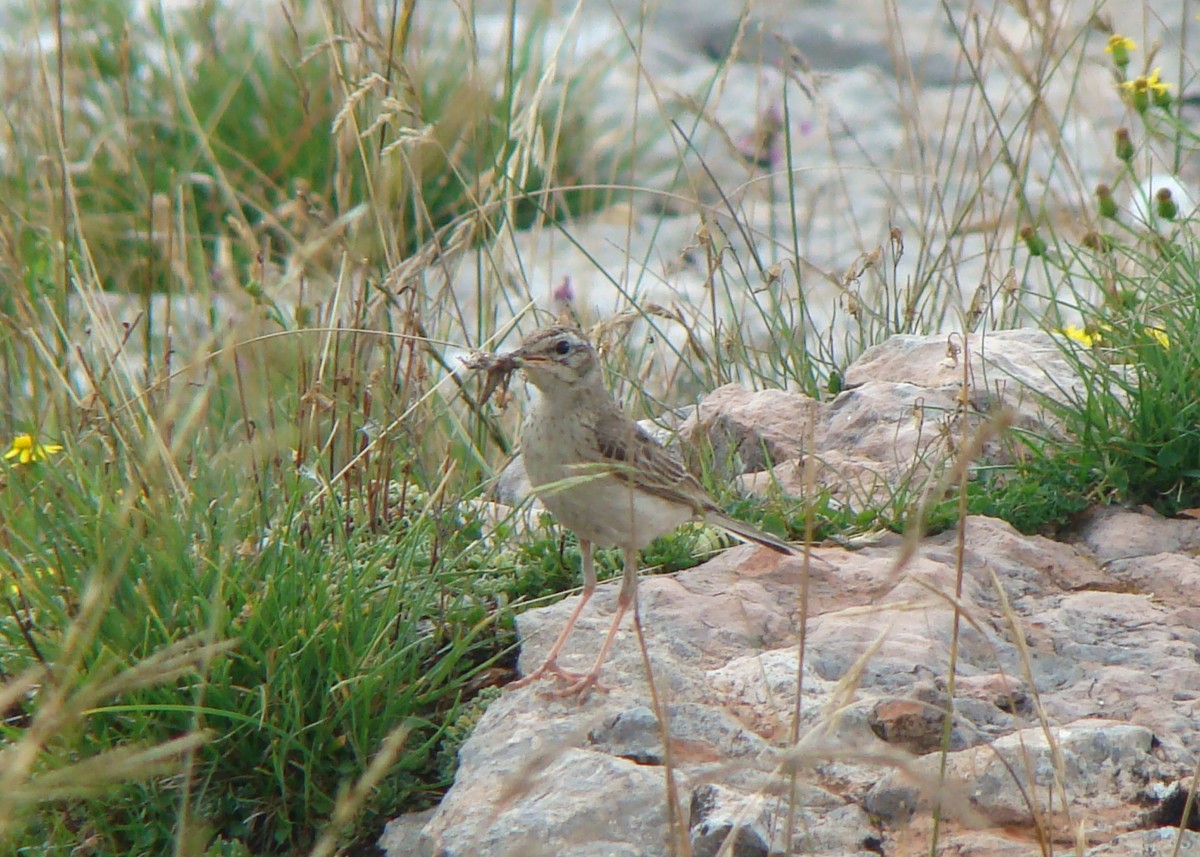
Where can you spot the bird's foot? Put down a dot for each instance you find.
(550, 667)
(582, 687)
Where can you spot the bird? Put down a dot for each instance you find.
(602, 476)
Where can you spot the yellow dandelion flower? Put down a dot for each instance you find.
(1117, 42)
(25, 449)
(1150, 87)
(1155, 85)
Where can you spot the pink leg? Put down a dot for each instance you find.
(550, 665)
(628, 598)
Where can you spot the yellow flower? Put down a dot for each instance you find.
(1119, 47)
(1146, 83)
(1155, 85)
(1117, 42)
(1159, 335)
(1141, 90)
(24, 450)
(1078, 334)
(1094, 335)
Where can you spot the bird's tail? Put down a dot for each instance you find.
(746, 532)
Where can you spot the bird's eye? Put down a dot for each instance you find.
(562, 347)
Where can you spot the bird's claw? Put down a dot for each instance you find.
(550, 667)
(580, 685)
(581, 688)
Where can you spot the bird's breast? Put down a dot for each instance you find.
(587, 494)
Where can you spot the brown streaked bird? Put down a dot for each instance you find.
(602, 476)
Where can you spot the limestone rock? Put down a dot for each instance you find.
(898, 423)
(750, 431)
(1076, 700)
(1159, 842)
(1019, 780)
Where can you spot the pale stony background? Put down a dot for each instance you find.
(885, 130)
(878, 102)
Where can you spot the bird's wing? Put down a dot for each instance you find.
(635, 456)
(629, 452)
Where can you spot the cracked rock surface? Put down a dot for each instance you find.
(1077, 707)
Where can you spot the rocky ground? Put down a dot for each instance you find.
(897, 116)
(1076, 671)
(893, 122)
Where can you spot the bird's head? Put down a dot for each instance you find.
(557, 356)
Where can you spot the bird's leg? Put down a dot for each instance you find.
(627, 599)
(550, 665)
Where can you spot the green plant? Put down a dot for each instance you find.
(1041, 494)
(207, 142)
(344, 629)
(1132, 430)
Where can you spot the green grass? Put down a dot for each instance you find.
(1132, 433)
(262, 561)
(207, 141)
(344, 629)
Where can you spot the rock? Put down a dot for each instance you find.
(547, 793)
(725, 819)
(1072, 702)
(915, 723)
(1020, 779)
(402, 835)
(1077, 665)
(1017, 365)
(1169, 578)
(756, 824)
(1159, 842)
(750, 431)
(898, 424)
(1003, 692)
(1170, 800)
(1112, 535)
(893, 430)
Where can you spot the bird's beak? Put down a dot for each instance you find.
(520, 358)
